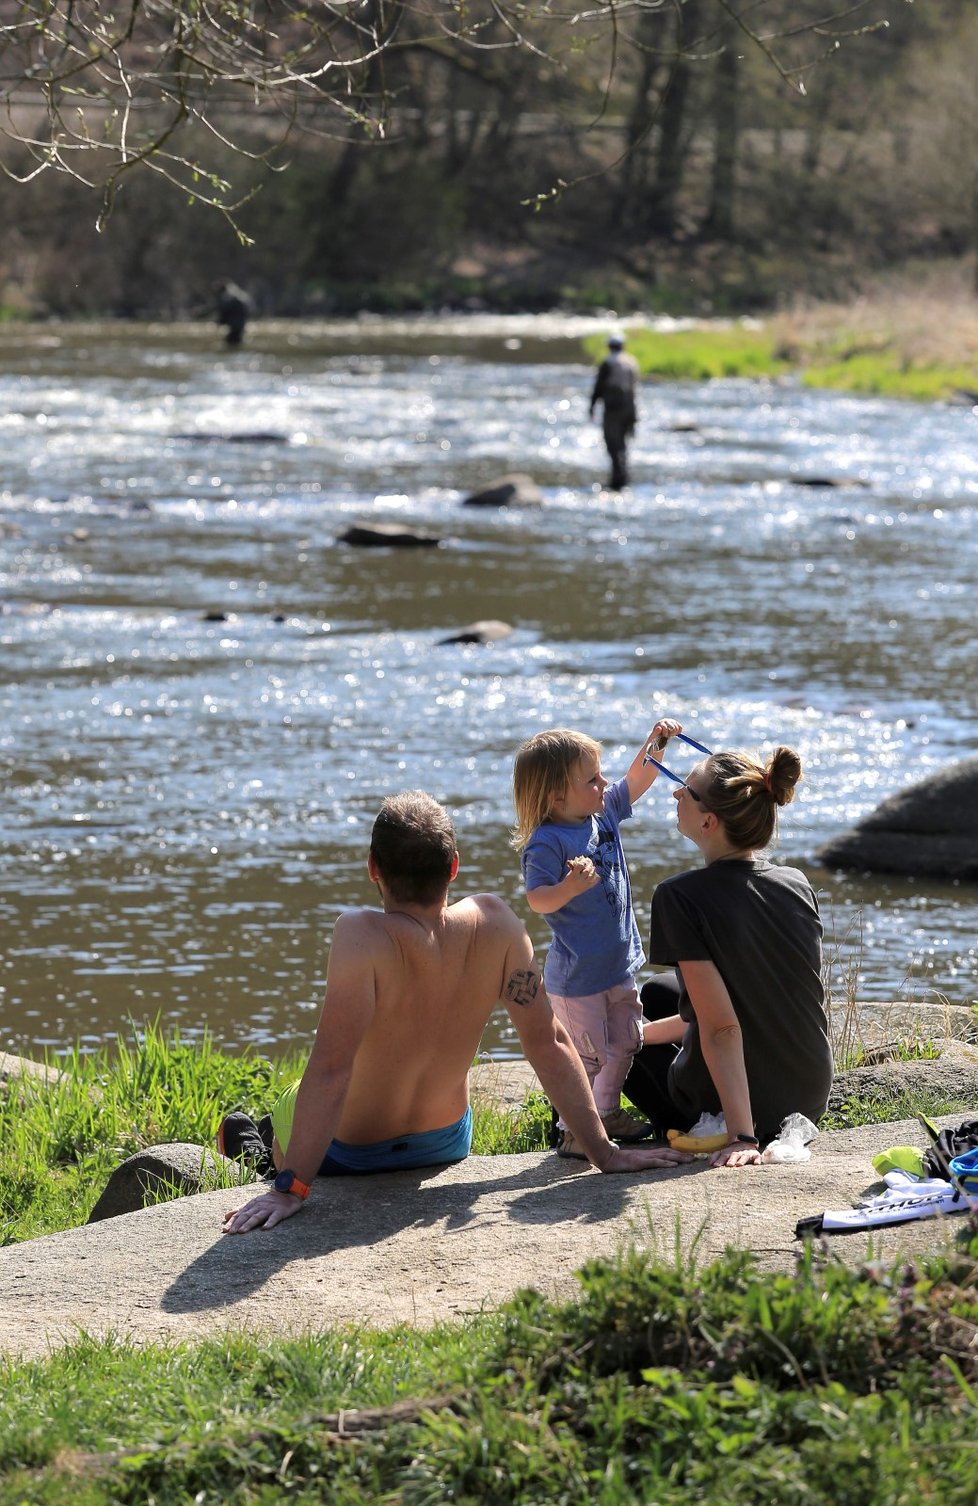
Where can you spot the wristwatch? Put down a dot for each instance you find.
(745, 1140)
(287, 1181)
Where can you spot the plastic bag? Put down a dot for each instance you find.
(793, 1140)
(708, 1124)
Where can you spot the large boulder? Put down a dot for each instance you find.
(951, 1074)
(930, 829)
(153, 1175)
(13, 1069)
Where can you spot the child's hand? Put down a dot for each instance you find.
(663, 730)
(582, 874)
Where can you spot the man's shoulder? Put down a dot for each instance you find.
(488, 907)
(358, 922)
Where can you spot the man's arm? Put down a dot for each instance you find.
(348, 1009)
(642, 775)
(722, 1044)
(551, 1053)
(597, 392)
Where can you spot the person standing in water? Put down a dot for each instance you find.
(614, 387)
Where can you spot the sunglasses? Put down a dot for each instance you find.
(676, 778)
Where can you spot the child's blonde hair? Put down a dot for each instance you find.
(541, 773)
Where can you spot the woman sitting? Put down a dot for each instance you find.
(749, 1037)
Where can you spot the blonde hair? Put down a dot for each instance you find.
(745, 794)
(541, 774)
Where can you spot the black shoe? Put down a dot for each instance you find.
(241, 1139)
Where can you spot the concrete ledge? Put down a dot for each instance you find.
(417, 1247)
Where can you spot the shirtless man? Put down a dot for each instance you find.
(408, 994)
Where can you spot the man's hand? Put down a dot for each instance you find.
(644, 1158)
(261, 1213)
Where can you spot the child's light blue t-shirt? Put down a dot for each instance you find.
(596, 944)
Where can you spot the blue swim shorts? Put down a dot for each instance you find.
(437, 1147)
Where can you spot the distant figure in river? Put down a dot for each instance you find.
(614, 386)
(567, 832)
(233, 310)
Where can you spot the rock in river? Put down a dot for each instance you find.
(509, 491)
(930, 829)
(489, 631)
(387, 536)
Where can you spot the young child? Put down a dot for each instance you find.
(567, 819)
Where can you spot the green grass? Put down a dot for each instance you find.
(753, 350)
(59, 1144)
(661, 1382)
(697, 355)
(658, 1383)
(499, 1132)
(886, 373)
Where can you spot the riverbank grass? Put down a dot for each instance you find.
(658, 1383)
(903, 343)
(61, 1139)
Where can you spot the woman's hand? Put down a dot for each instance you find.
(737, 1153)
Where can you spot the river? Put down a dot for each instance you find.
(205, 694)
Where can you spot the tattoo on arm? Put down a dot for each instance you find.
(523, 987)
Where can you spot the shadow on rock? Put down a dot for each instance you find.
(377, 1215)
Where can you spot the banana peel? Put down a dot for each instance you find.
(696, 1143)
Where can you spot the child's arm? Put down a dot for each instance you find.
(546, 898)
(641, 775)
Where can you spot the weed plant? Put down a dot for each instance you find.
(499, 1131)
(659, 1383)
(61, 1140)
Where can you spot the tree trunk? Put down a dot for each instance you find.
(720, 220)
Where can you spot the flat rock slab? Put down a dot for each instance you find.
(417, 1247)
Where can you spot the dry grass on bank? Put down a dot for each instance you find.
(926, 317)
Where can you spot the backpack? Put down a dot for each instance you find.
(949, 1145)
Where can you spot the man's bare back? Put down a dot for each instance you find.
(436, 984)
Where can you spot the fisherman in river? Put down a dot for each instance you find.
(614, 386)
(233, 310)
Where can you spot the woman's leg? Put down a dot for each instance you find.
(647, 1083)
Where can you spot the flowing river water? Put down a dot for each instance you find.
(204, 694)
